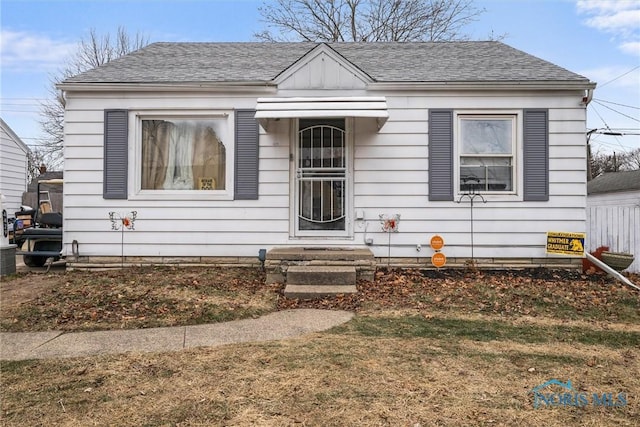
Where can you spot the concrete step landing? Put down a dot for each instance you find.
(321, 275)
(318, 281)
(279, 260)
(317, 291)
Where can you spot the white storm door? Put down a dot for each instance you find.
(321, 178)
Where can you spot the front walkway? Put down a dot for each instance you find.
(274, 326)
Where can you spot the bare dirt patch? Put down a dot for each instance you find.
(19, 291)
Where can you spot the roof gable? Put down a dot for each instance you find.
(322, 68)
(11, 135)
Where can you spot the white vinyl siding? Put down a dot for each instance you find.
(390, 176)
(13, 170)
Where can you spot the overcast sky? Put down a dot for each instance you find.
(599, 39)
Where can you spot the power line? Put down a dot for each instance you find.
(21, 111)
(623, 131)
(616, 111)
(20, 104)
(607, 126)
(11, 99)
(615, 103)
(611, 144)
(620, 76)
(601, 118)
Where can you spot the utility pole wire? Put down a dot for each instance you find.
(615, 103)
(608, 128)
(595, 110)
(620, 76)
(616, 111)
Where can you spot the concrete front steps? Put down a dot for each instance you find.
(311, 273)
(316, 281)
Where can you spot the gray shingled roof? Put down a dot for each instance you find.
(614, 181)
(384, 62)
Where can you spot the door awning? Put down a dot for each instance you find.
(374, 107)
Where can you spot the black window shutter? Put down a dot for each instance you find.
(115, 154)
(536, 155)
(441, 155)
(246, 152)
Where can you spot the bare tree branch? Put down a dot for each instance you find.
(633, 159)
(93, 51)
(37, 157)
(614, 162)
(366, 20)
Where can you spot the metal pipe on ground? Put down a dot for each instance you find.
(611, 271)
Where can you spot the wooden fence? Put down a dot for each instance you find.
(617, 227)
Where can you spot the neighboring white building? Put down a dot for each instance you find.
(13, 168)
(613, 214)
(348, 132)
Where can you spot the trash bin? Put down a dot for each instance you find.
(7, 251)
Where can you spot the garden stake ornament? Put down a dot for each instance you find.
(471, 194)
(389, 225)
(121, 222)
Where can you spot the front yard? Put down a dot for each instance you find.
(426, 348)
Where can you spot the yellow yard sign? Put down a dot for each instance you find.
(565, 243)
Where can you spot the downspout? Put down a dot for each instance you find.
(588, 97)
(586, 100)
(611, 271)
(589, 172)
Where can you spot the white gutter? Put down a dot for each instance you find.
(497, 85)
(261, 87)
(269, 86)
(611, 271)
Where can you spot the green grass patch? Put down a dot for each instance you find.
(15, 366)
(483, 330)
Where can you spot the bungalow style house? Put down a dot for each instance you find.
(221, 152)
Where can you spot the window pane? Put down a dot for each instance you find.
(183, 155)
(486, 174)
(486, 136)
(321, 147)
(321, 205)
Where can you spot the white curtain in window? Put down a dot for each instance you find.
(180, 154)
(179, 174)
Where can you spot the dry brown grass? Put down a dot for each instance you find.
(171, 296)
(132, 298)
(422, 351)
(323, 379)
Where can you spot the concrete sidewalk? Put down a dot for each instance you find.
(274, 326)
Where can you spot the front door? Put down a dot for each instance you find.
(321, 178)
